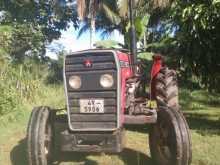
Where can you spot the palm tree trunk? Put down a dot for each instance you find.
(92, 15)
(92, 32)
(93, 6)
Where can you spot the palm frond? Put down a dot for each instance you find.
(160, 4)
(93, 7)
(107, 32)
(123, 7)
(111, 15)
(83, 29)
(81, 7)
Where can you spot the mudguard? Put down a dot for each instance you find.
(156, 65)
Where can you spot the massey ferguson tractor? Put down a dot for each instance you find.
(102, 88)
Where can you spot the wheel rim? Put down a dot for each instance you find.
(48, 141)
(164, 144)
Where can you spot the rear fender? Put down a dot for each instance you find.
(157, 65)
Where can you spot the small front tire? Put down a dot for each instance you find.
(169, 139)
(40, 136)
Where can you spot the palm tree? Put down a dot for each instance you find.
(93, 6)
(81, 7)
(114, 15)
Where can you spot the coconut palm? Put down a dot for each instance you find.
(114, 15)
(93, 6)
(81, 7)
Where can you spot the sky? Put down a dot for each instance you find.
(70, 43)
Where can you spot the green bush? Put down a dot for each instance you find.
(20, 86)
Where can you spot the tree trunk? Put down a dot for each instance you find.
(92, 32)
(145, 40)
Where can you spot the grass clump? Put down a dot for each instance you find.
(23, 87)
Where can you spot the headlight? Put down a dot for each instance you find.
(75, 82)
(106, 80)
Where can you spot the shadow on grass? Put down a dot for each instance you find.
(131, 157)
(202, 125)
(18, 154)
(128, 156)
(198, 100)
(80, 158)
(138, 128)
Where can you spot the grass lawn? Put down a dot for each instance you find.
(202, 114)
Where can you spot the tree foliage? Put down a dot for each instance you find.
(34, 24)
(197, 36)
(5, 38)
(51, 16)
(187, 32)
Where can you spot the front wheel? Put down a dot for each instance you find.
(169, 139)
(40, 136)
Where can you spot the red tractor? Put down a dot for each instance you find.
(102, 96)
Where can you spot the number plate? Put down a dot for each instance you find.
(91, 106)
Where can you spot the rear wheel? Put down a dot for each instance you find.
(166, 88)
(40, 136)
(169, 139)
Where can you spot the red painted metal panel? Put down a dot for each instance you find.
(126, 72)
(156, 66)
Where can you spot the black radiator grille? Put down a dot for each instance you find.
(102, 63)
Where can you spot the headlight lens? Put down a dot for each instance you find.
(75, 82)
(106, 80)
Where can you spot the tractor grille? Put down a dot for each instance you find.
(102, 63)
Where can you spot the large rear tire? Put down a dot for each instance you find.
(166, 88)
(169, 139)
(40, 137)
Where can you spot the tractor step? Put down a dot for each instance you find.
(141, 119)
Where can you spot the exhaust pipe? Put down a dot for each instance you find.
(133, 40)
